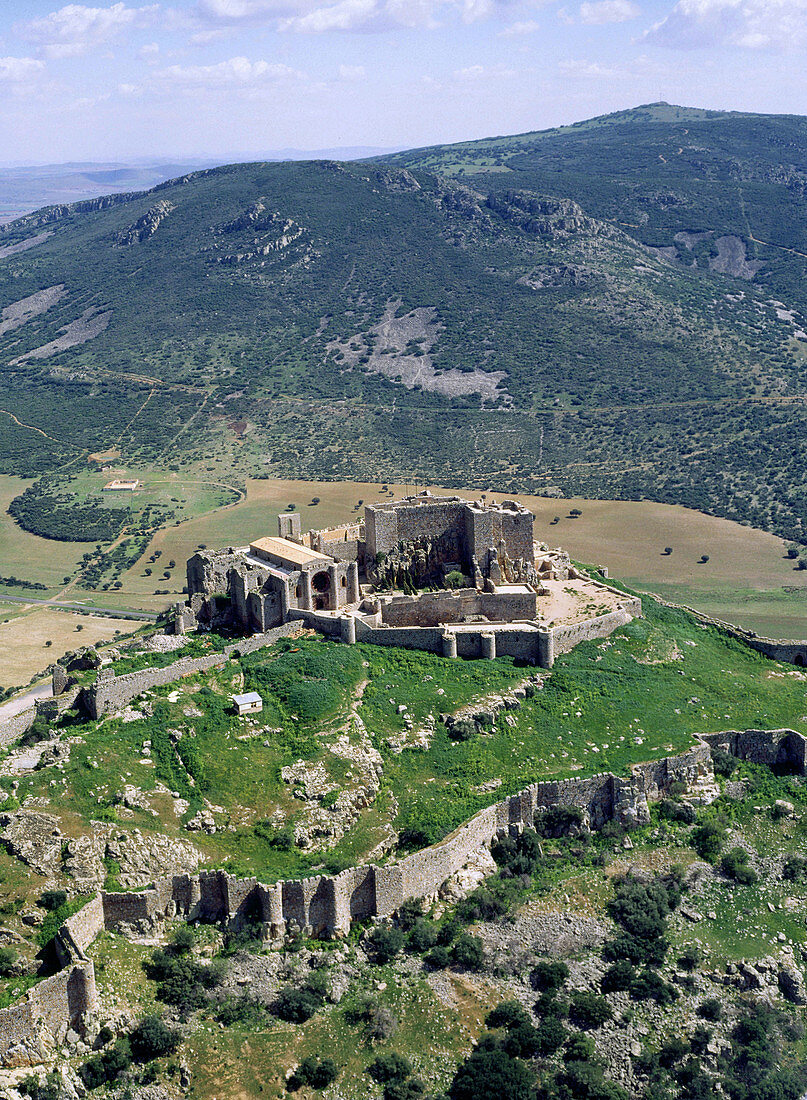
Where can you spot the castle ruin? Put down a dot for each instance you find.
(441, 573)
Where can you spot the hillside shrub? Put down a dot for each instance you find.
(313, 1073)
(735, 865)
(467, 951)
(491, 1073)
(589, 1010)
(296, 1005)
(152, 1038)
(708, 839)
(387, 942)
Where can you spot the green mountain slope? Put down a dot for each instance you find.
(662, 171)
(361, 320)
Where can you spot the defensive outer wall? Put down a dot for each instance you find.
(327, 905)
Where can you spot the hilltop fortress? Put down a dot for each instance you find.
(456, 577)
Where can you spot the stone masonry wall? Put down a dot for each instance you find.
(111, 693)
(433, 608)
(565, 638)
(328, 904)
(775, 748)
(35, 1025)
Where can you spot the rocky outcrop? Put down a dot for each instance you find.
(34, 838)
(146, 226)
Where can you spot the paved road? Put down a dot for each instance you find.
(117, 611)
(23, 702)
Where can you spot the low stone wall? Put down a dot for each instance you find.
(434, 608)
(11, 729)
(79, 931)
(775, 748)
(111, 693)
(778, 649)
(565, 638)
(31, 1029)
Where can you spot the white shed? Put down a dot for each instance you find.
(250, 703)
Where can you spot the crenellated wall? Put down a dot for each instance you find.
(325, 905)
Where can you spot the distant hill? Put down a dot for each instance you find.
(582, 309)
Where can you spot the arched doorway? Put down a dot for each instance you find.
(321, 584)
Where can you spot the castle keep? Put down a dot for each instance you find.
(456, 577)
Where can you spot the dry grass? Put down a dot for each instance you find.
(22, 638)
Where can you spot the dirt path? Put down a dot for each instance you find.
(33, 428)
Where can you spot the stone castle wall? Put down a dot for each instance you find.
(434, 608)
(32, 1028)
(565, 638)
(775, 748)
(13, 728)
(111, 693)
(327, 905)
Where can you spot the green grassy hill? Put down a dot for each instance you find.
(366, 321)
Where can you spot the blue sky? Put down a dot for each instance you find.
(234, 78)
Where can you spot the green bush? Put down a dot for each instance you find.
(467, 951)
(735, 865)
(423, 936)
(438, 958)
(389, 1067)
(314, 1073)
(549, 976)
(387, 942)
(558, 821)
(491, 1073)
(618, 978)
(650, 986)
(708, 840)
(710, 1009)
(296, 1005)
(152, 1038)
(589, 1010)
(724, 763)
(52, 900)
(8, 961)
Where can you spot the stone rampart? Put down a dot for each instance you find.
(39, 1022)
(13, 728)
(111, 693)
(434, 608)
(776, 748)
(565, 638)
(778, 649)
(79, 931)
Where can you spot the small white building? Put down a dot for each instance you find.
(249, 703)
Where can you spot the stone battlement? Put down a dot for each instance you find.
(327, 905)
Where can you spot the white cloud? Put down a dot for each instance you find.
(345, 15)
(481, 72)
(351, 72)
(19, 70)
(241, 11)
(316, 17)
(528, 26)
(76, 29)
(749, 24)
(589, 69)
(607, 11)
(235, 72)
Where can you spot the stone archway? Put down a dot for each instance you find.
(321, 585)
